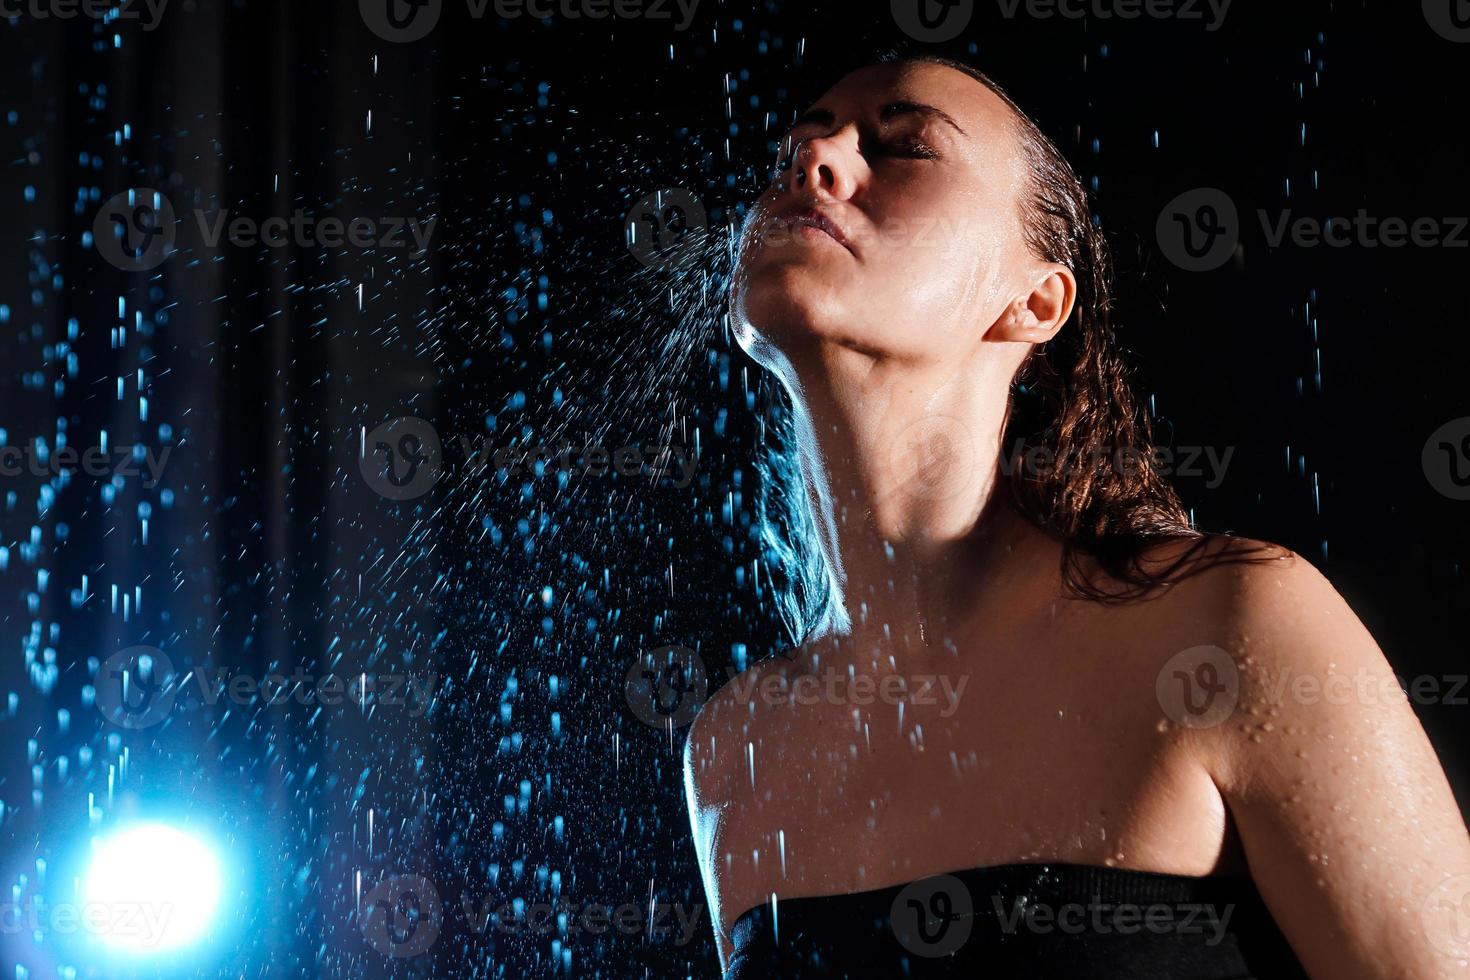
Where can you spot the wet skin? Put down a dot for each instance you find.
(1058, 745)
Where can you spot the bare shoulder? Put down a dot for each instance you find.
(1219, 562)
(1293, 654)
(1272, 609)
(1267, 606)
(1348, 824)
(1216, 583)
(712, 751)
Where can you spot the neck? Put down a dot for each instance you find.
(902, 464)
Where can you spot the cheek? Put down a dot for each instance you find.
(945, 270)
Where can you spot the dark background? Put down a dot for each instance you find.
(1323, 369)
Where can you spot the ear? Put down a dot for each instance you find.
(1036, 317)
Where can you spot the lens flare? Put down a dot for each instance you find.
(151, 888)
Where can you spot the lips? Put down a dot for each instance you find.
(807, 217)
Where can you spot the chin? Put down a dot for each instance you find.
(788, 306)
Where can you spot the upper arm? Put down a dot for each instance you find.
(704, 789)
(1348, 823)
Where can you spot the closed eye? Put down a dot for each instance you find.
(910, 147)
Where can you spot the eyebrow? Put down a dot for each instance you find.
(824, 117)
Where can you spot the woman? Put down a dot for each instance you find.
(1037, 722)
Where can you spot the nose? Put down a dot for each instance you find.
(819, 164)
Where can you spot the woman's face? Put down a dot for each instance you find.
(895, 229)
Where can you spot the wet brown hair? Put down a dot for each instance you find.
(1071, 402)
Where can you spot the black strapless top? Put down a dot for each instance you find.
(1037, 921)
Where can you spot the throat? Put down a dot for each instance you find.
(913, 596)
